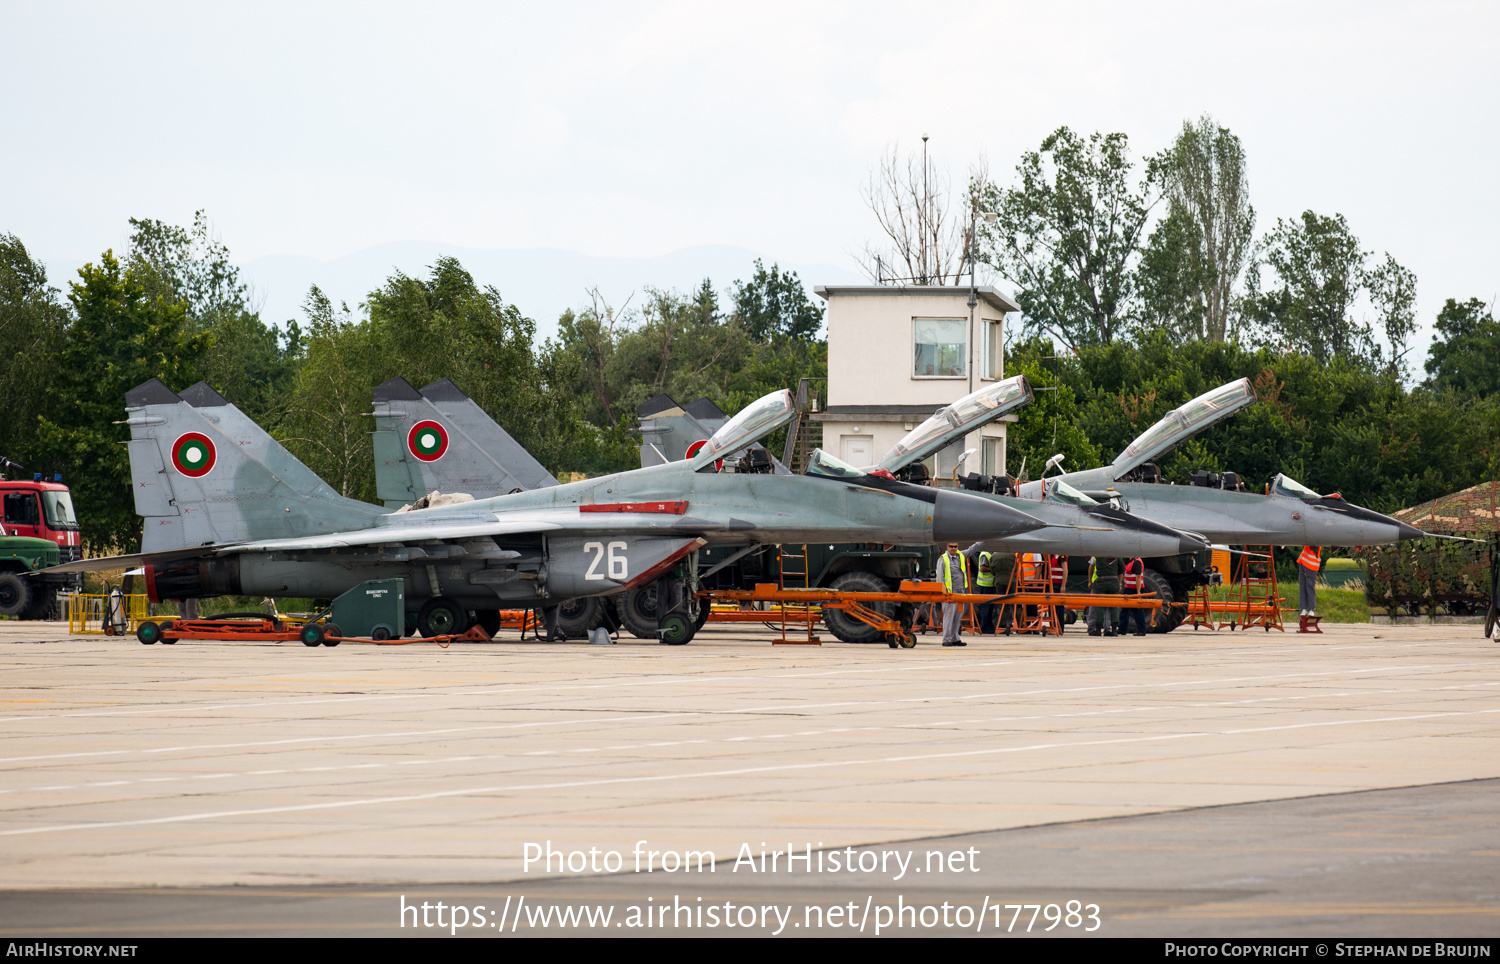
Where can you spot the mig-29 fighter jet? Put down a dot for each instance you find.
(224, 522)
(1078, 525)
(1291, 515)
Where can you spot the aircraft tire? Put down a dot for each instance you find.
(702, 618)
(637, 609)
(1167, 618)
(677, 631)
(845, 627)
(16, 594)
(488, 620)
(442, 617)
(577, 616)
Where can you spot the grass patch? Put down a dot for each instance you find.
(1344, 605)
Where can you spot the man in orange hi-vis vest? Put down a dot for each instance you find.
(1309, 563)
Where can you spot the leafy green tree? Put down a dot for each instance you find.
(251, 363)
(325, 425)
(1195, 256)
(424, 329)
(33, 320)
(120, 336)
(1319, 276)
(773, 304)
(1463, 357)
(1049, 425)
(1069, 234)
(612, 360)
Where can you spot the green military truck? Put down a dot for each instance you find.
(26, 591)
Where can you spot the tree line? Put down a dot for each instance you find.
(1142, 286)
(1139, 289)
(174, 307)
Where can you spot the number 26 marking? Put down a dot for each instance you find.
(618, 564)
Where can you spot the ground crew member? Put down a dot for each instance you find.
(1134, 582)
(955, 569)
(1106, 580)
(1059, 567)
(984, 582)
(1309, 564)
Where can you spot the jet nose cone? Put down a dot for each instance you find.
(1407, 532)
(958, 517)
(1191, 542)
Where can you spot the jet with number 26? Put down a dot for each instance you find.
(228, 511)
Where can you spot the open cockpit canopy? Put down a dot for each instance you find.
(962, 417)
(821, 463)
(1060, 491)
(754, 422)
(1185, 421)
(1292, 489)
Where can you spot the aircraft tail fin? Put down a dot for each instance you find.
(198, 481)
(439, 439)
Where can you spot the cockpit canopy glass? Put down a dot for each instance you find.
(1292, 489)
(821, 463)
(1061, 491)
(988, 402)
(1193, 417)
(759, 418)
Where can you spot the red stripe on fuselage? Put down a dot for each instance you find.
(665, 508)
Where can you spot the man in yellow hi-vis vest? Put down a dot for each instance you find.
(954, 567)
(1309, 564)
(984, 581)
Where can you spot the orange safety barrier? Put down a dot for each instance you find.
(897, 634)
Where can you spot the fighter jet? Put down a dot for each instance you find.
(1215, 505)
(225, 522)
(1080, 525)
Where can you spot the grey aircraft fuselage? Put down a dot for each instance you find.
(1289, 515)
(230, 524)
(1247, 518)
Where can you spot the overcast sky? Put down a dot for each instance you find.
(634, 130)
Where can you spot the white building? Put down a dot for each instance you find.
(897, 354)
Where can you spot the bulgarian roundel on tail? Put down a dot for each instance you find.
(194, 455)
(427, 440)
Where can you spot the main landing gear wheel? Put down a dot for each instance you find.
(442, 617)
(637, 609)
(488, 620)
(1165, 619)
(575, 617)
(851, 630)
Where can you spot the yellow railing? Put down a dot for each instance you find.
(89, 612)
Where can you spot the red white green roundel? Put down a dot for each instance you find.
(194, 455)
(427, 441)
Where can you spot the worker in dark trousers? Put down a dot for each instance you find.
(1309, 564)
(1106, 581)
(1134, 582)
(1059, 568)
(984, 582)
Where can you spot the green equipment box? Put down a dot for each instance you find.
(376, 609)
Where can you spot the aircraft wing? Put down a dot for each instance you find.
(655, 518)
